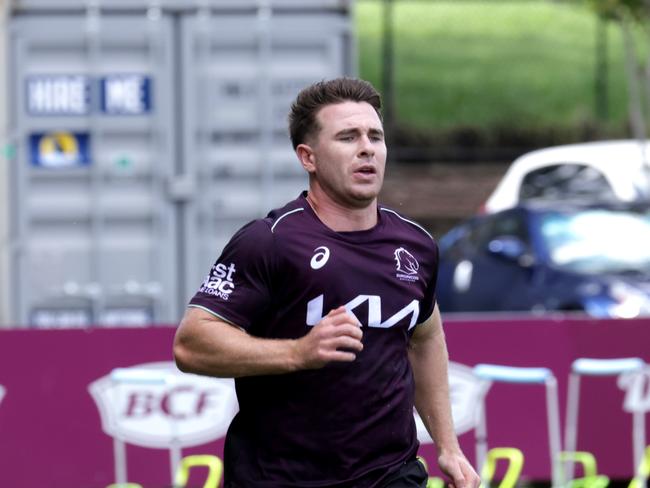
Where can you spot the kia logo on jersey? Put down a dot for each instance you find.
(373, 307)
(184, 408)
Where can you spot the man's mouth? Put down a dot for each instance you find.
(366, 170)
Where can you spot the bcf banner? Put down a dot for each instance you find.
(158, 405)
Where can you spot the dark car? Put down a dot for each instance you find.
(549, 257)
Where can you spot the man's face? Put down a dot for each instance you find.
(349, 153)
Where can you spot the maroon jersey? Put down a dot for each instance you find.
(347, 424)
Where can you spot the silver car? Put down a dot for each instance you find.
(605, 170)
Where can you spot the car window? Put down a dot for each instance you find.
(565, 180)
(480, 234)
(475, 236)
(509, 224)
(453, 244)
(598, 241)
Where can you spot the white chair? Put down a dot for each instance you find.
(518, 375)
(131, 376)
(600, 368)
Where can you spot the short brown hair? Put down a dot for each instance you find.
(302, 117)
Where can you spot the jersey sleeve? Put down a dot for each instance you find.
(237, 288)
(429, 300)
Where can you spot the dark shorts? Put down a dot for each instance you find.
(412, 474)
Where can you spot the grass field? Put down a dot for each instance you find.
(494, 64)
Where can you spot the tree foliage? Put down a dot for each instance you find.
(620, 9)
(632, 16)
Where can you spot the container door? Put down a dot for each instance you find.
(240, 74)
(93, 237)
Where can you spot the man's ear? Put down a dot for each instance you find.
(306, 157)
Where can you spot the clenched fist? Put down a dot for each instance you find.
(337, 337)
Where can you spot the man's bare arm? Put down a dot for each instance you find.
(208, 345)
(429, 360)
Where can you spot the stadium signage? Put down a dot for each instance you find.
(466, 392)
(44, 318)
(125, 94)
(58, 95)
(60, 149)
(72, 95)
(185, 409)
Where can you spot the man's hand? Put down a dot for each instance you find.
(459, 470)
(337, 337)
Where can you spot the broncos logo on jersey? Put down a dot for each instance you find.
(406, 263)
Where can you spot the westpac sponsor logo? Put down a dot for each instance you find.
(637, 390)
(315, 311)
(406, 264)
(220, 281)
(466, 392)
(155, 405)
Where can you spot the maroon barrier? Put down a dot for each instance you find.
(516, 414)
(51, 433)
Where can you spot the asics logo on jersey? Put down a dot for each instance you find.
(315, 311)
(407, 265)
(320, 258)
(220, 281)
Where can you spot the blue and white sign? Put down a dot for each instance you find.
(126, 94)
(58, 95)
(60, 318)
(59, 149)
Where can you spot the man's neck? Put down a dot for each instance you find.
(341, 218)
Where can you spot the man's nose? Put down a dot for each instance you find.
(366, 147)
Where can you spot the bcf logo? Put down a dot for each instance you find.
(155, 405)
